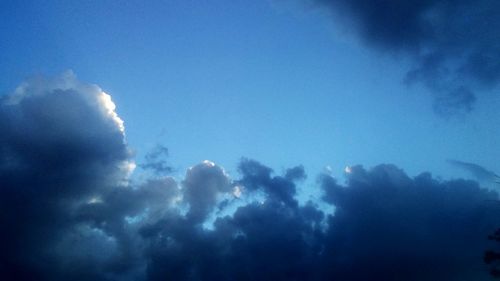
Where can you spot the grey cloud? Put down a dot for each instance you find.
(60, 147)
(201, 186)
(453, 44)
(270, 240)
(155, 161)
(479, 172)
(71, 211)
(257, 176)
(388, 226)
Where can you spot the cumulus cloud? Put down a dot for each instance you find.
(388, 226)
(201, 186)
(61, 145)
(70, 211)
(453, 44)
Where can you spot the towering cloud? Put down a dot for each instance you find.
(453, 44)
(61, 147)
(68, 210)
(201, 186)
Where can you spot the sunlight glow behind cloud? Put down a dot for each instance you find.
(110, 108)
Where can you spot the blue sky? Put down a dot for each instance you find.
(221, 80)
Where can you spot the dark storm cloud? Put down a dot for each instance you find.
(69, 211)
(454, 44)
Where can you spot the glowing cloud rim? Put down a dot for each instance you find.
(110, 107)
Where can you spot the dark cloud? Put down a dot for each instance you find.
(492, 257)
(272, 239)
(479, 172)
(256, 176)
(61, 147)
(388, 226)
(156, 161)
(69, 211)
(453, 44)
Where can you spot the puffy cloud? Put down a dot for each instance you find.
(201, 186)
(70, 211)
(257, 176)
(61, 145)
(270, 240)
(388, 226)
(453, 44)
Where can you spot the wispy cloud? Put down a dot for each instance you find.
(479, 172)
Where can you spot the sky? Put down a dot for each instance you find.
(220, 80)
(187, 137)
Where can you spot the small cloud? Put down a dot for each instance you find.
(477, 171)
(155, 161)
(237, 191)
(347, 170)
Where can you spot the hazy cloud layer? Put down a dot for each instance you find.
(454, 44)
(70, 212)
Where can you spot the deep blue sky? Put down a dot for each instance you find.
(219, 80)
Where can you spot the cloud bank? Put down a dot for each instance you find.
(453, 44)
(69, 211)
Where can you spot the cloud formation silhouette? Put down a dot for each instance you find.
(453, 44)
(477, 171)
(70, 212)
(61, 147)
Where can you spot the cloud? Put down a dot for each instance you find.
(257, 176)
(479, 172)
(155, 161)
(453, 44)
(388, 226)
(61, 145)
(201, 186)
(273, 239)
(70, 211)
